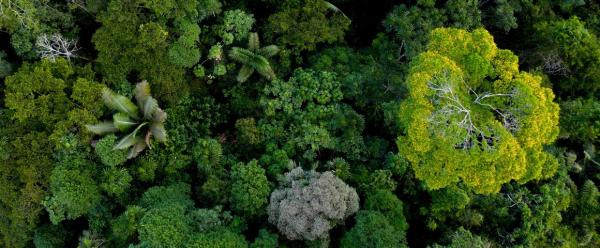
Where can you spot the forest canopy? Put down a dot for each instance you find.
(299, 123)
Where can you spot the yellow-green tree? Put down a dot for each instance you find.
(472, 117)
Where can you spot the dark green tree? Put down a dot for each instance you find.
(249, 189)
(254, 59)
(302, 24)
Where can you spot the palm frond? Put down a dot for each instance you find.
(240, 55)
(126, 142)
(262, 66)
(119, 103)
(129, 139)
(159, 116)
(142, 92)
(123, 122)
(334, 8)
(102, 128)
(159, 132)
(253, 42)
(245, 73)
(138, 147)
(149, 106)
(268, 51)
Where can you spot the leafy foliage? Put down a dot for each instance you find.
(74, 192)
(310, 204)
(471, 116)
(304, 24)
(146, 118)
(254, 59)
(250, 188)
(448, 140)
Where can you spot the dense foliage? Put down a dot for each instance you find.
(299, 123)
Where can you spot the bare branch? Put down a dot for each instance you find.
(454, 111)
(56, 46)
(554, 65)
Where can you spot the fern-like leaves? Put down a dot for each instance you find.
(254, 59)
(146, 119)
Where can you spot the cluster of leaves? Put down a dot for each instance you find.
(472, 116)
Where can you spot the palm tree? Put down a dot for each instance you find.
(254, 59)
(145, 120)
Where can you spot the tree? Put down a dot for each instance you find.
(108, 156)
(571, 52)
(50, 236)
(115, 181)
(247, 132)
(218, 239)
(471, 116)
(90, 239)
(464, 238)
(302, 24)
(388, 204)
(183, 51)
(305, 115)
(146, 118)
(73, 190)
(254, 59)
(249, 188)
(26, 20)
(165, 222)
(410, 26)
(24, 180)
(372, 230)
(310, 203)
(56, 46)
(579, 119)
(236, 26)
(5, 67)
(380, 224)
(57, 95)
(165, 226)
(265, 239)
(164, 35)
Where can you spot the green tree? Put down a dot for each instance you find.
(146, 118)
(302, 24)
(580, 119)
(471, 116)
(165, 226)
(390, 206)
(109, 156)
(50, 236)
(247, 132)
(254, 59)
(115, 181)
(5, 67)
(217, 239)
(372, 229)
(57, 95)
(305, 115)
(411, 25)
(571, 52)
(183, 52)
(24, 181)
(249, 188)
(27, 20)
(265, 239)
(236, 26)
(464, 238)
(165, 35)
(73, 190)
